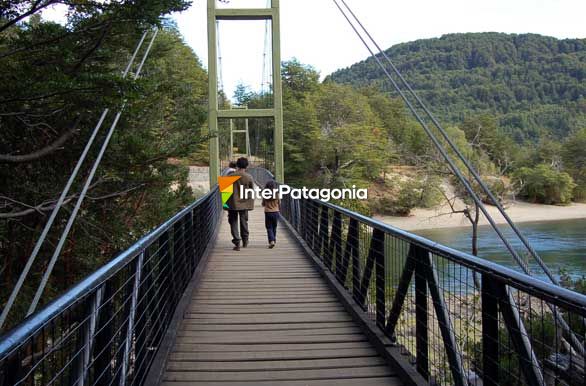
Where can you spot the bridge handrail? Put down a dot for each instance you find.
(556, 295)
(187, 235)
(428, 298)
(36, 321)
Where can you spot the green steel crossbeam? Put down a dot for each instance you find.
(214, 114)
(250, 113)
(245, 14)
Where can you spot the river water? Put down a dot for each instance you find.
(561, 244)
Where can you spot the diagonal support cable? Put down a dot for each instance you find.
(576, 343)
(85, 188)
(438, 146)
(61, 200)
(457, 151)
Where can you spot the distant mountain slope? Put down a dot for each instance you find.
(536, 85)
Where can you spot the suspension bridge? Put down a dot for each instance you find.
(343, 299)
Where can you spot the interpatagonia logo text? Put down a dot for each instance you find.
(324, 194)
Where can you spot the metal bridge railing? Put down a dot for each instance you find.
(459, 319)
(107, 329)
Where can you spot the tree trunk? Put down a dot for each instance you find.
(475, 230)
(475, 241)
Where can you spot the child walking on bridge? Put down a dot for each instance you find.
(272, 208)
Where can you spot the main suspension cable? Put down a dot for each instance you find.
(61, 200)
(265, 78)
(220, 77)
(85, 188)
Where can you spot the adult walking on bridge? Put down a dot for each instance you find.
(238, 206)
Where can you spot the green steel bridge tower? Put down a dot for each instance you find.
(276, 112)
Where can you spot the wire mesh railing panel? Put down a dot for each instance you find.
(458, 319)
(107, 329)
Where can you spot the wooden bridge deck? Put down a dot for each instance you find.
(264, 317)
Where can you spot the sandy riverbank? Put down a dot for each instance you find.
(518, 211)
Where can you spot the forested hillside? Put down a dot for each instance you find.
(534, 85)
(54, 84)
(340, 135)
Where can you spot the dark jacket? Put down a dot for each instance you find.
(235, 202)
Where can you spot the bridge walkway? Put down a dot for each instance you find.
(265, 316)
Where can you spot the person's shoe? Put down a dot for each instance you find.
(236, 248)
(272, 244)
(244, 243)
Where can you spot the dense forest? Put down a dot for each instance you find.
(518, 102)
(534, 85)
(56, 80)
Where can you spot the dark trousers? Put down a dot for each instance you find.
(271, 221)
(238, 219)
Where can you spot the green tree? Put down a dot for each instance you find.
(544, 184)
(57, 81)
(299, 79)
(350, 143)
(483, 132)
(243, 95)
(300, 124)
(574, 157)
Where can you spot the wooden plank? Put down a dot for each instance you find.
(272, 318)
(277, 376)
(266, 326)
(290, 296)
(374, 381)
(235, 279)
(272, 355)
(306, 332)
(252, 300)
(277, 365)
(281, 273)
(262, 285)
(262, 291)
(318, 305)
(271, 275)
(263, 299)
(268, 347)
(302, 306)
(263, 308)
(238, 271)
(238, 338)
(260, 312)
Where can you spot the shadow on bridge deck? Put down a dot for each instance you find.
(265, 317)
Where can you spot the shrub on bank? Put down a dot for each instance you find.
(544, 184)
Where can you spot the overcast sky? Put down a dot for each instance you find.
(316, 33)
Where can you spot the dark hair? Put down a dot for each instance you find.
(232, 164)
(242, 163)
(271, 184)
